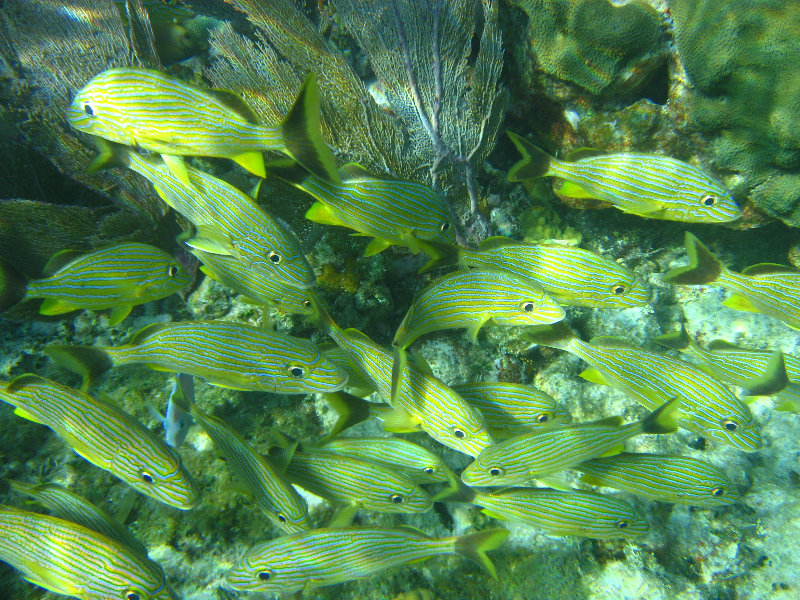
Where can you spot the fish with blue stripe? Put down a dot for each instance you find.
(766, 288)
(664, 477)
(647, 185)
(391, 212)
(148, 109)
(574, 512)
(70, 559)
(259, 360)
(177, 420)
(321, 557)
(69, 506)
(573, 276)
(106, 436)
(708, 407)
(521, 459)
(118, 278)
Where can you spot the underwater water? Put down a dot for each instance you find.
(400, 299)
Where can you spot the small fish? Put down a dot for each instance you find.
(648, 185)
(423, 402)
(269, 489)
(766, 288)
(471, 299)
(668, 478)
(69, 506)
(228, 223)
(253, 285)
(574, 512)
(403, 213)
(512, 408)
(708, 407)
(70, 559)
(323, 557)
(518, 460)
(147, 109)
(260, 360)
(571, 275)
(408, 458)
(117, 278)
(106, 436)
(357, 483)
(176, 420)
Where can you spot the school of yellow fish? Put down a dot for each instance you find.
(520, 439)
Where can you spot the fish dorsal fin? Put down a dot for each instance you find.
(59, 260)
(24, 380)
(420, 363)
(353, 170)
(415, 530)
(725, 345)
(236, 103)
(769, 269)
(610, 341)
(611, 421)
(579, 153)
(740, 302)
(145, 332)
(496, 241)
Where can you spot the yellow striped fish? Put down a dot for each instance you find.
(66, 558)
(117, 278)
(574, 512)
(69, 506)
(708, 407)
(422, 403)
(269, 489)
(648, 185)
(766, 288)
(403, 213)
(147, 109)
(357, 483)
(512, 408)
(321, 557)
(571, 275)
(668, 478)
(259, 360)
(228, 222)
(518, 460)
(106, 436)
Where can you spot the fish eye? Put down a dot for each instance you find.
(459, 433)
(527, 306)
(306, 303)
(718, 492)
(172, 271)
(132, 596)
(146, 476)
(87, 108)
(428, 470)
(730, 425)
(709, 200)
(444, 226)
(543, 418)
(281, 518)
(495, 471)
(264, 575)
(618, 289)
(622, 524)
(296, 371)
(274, 257)
(396, 498)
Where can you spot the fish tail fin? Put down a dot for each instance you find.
(535, 162)
(772, 380)
(302, 134)
(109, 155)
(351, 410)
(87, 361)
(319, 316)
(13, 286)
(440, 254)
(557, 335)
(458, 491)
(664, 419)
(703, 266)
(288, 170)
(399, 365)
(476, 545)
(183, 395)
(677, 340)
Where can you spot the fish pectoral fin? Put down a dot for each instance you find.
(118, 314)
(376, 245)
(51, 582)
(236, 103)
(21, 412)
(56, 306)
(739, 302)
(399, 420)
(207, 239)
(557, 481)
(226, 386)
(592, 375)
(613, 451)
(573, 190)
(177, 167)
(474, 328)
(252, 162)
(772, 380)
(60, 260)
(322, 214)
(344, 516)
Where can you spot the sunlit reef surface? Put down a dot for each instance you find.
(572, 95)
